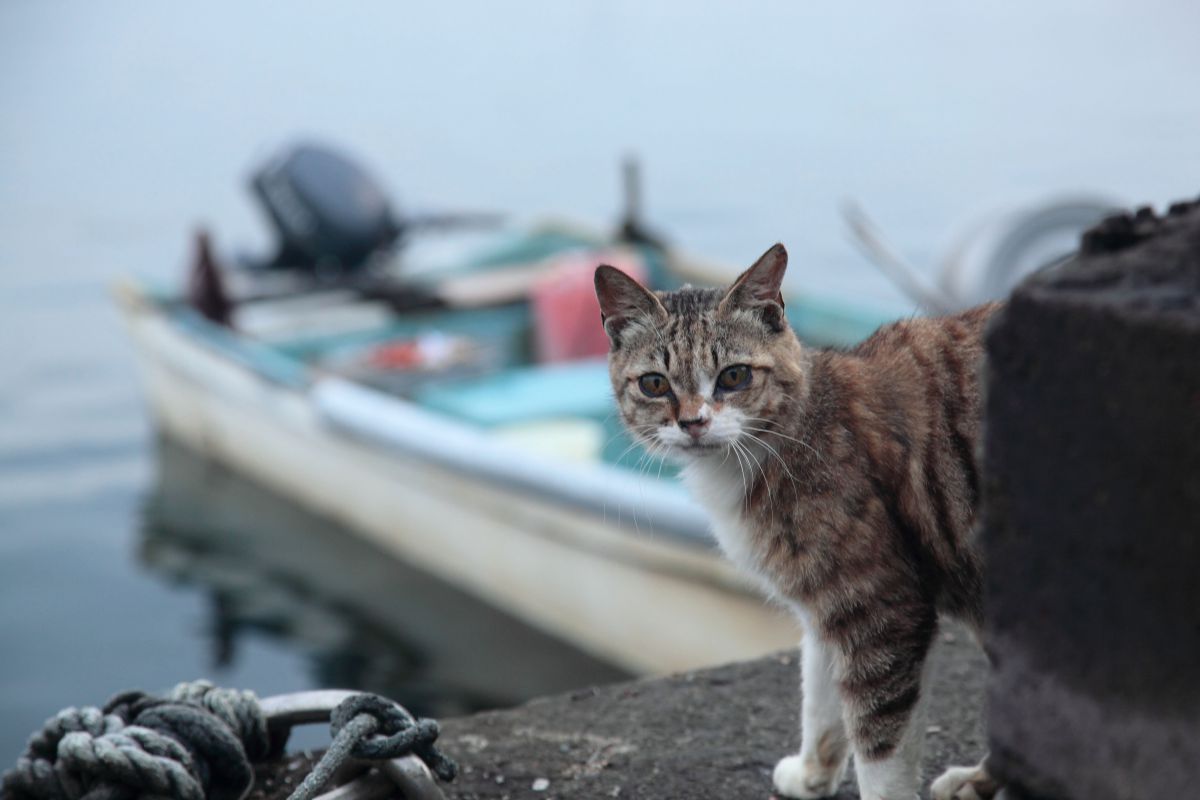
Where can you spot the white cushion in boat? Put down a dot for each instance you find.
(579, 440)
(579, 389)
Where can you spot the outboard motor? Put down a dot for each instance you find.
(330, 217)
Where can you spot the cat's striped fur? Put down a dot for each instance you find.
(847, 481)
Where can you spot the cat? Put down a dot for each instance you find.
(845, 482)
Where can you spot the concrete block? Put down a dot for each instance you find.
(1091, 518)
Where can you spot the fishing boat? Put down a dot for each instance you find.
(445, 395)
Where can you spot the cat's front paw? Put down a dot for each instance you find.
(803, 779)
(964, 783)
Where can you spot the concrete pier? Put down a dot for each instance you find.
(713, 734)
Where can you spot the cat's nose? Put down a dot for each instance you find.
(694, 427)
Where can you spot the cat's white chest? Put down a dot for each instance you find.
(719, 488)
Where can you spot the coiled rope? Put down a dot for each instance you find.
(198, 742)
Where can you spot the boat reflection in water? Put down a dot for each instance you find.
(366, 621)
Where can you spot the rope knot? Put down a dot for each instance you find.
(194, 744)
(131, 762)
(198, 742)
(389, 731)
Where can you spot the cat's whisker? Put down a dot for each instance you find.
(737, 453)
(775, 454)
(643, 463)
(766, 444)
(640, 468)
(782, 435)
(623, 453)
(646, 461)
(636, 443)
(728, 450)
(654, 452)
(787, 471)
(749, 479)
(787, 396)
(616, 435)
(630, 429)
(761, 471)
(803, 444)
(647, 448)
(661, 455)
(661, 461)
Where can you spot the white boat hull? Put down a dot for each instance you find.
(649, 603)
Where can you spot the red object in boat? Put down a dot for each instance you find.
(565, 310)
(396, 355)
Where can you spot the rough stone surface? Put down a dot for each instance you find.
(714, 733)
(1092, 518)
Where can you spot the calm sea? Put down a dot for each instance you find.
(126, 562)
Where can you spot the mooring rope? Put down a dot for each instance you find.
(198, 742)
(355, 720)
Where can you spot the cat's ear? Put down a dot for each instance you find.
(622, 301)
(758, 288)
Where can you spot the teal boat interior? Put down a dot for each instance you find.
(479, 364)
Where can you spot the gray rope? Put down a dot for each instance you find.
(354, 724)
(197, 743)
(335, 756)
(133, 757)
(193, 744)
(237, 708)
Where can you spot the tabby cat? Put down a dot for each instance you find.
(847, 483)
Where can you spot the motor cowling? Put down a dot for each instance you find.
(329, 215)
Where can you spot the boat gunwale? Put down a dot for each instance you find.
(401, 426)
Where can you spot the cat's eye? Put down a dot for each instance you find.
(733, 378)
(654, 385)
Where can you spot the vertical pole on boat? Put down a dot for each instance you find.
(632, 186)
(206, 290)
(631, 229)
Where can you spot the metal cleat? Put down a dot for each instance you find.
(406, 773)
